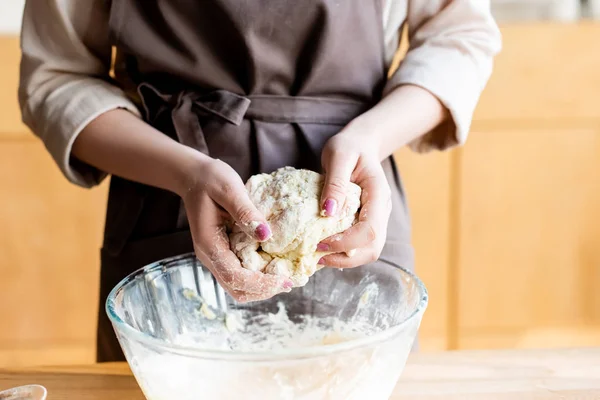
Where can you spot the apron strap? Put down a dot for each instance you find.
(233, 108)
(307, 110)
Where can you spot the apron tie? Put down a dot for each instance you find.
(185, 107)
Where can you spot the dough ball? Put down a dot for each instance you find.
(290, 200)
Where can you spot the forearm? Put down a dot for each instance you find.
(407, 113)
(119, 143)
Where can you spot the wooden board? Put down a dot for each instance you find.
(503, 375)
(529, 232)
(94, 386)
(491, 375)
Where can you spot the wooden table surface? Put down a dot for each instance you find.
(489, 375)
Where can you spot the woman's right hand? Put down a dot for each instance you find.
(215, 197)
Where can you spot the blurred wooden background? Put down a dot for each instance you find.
(506, 229)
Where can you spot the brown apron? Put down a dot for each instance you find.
(259, 84)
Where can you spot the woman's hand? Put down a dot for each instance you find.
(351, 156)
(216, 197)
(355, 154)
(120, 143)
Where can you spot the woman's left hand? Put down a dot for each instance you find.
(351, 156)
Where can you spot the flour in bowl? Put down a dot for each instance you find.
(358, 374)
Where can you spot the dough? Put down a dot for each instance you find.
(290, 200)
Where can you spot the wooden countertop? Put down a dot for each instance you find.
(489, 375)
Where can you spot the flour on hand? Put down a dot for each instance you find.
(290, 200)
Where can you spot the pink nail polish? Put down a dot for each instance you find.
(322, 247)
(330, 207)
(263, 232)
(288, 284)
(321, 262)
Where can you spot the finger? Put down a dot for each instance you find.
(211, 244)
(240, 282)
(360, 235)
(234, 198)
(227, 269)
(230, 273)
(338, 168)
(372, 221)
(361, 257)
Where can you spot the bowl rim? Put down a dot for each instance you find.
(227, 355)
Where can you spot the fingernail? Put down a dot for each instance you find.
(263, 232)
(321, 262)
(288, 284)
(330, 207)
(322, 247)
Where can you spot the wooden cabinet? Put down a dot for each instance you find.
(528, 247)
(49, 267)
(50, 232)
(427, 182)
(545, 73)
(515, 261)
(529, 255)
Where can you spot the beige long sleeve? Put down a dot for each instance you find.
(65, 81)
(452, 46)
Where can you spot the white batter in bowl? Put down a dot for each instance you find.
(345, 335)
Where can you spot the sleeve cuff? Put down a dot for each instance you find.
(455, 80)
(66, 112)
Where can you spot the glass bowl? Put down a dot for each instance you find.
(345, 335)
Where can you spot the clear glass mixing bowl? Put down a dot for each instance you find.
(345, 335)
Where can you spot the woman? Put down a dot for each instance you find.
(206, 93)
